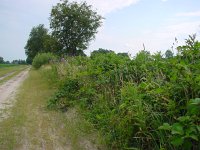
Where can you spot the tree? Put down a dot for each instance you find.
(169, 54)
(101, 51)
(1, 60)
(52, 45)
(35, 43)
(7, 62)
(22, 62)
(123, 54)
(74, 25)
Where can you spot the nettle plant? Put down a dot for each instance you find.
(186, 130)
(129, 99)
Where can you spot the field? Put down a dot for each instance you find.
(7, 71)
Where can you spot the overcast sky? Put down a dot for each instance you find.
(127, 25)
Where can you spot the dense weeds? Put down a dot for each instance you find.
(148, 102)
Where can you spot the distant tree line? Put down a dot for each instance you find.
(22, 62)
(106, 51)
(1, 60)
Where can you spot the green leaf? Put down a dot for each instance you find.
(122, 106)
(99, 117)
(165, 126)
(191, 130)
(187, 145)
(194, 137)
(177, 128)
(177, 141)
(198, 128)
(195, 101)
(159, 90)
(194, 106)
(184, 118)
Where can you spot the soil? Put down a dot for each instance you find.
(8, 91)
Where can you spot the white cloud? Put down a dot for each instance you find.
(189, 14)
(159, 39)
(107, 6)
(162, 38)
(184, 28)
(164, 0)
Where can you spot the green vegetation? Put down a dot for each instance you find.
(73, 26)
(149, 102)
(32, 126)
(1, 60)
(7, 65)
(7, 71)
(22, 62)
(40, 41)
(42, 59)
(36, 42)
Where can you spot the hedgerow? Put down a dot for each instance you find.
(148, 102)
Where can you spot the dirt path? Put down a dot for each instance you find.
(9, 89)
(29, 125)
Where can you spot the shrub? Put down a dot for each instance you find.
(149, 102)
(42, 59)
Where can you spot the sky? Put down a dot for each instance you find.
(128, 24)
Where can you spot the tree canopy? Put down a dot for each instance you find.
(169, 54)
(74, 25)
(101, 51)
(41, 41)
(1, 60)
(35, 43)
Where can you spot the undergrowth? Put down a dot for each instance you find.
(148, 102)
(42, 59)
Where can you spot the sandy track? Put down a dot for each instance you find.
(9, 89)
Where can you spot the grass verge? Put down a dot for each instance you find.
(32, 126)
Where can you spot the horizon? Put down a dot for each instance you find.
(127, 25)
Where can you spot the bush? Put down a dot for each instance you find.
(42, 59)
(149, 102)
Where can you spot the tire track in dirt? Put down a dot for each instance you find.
(8, 91)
